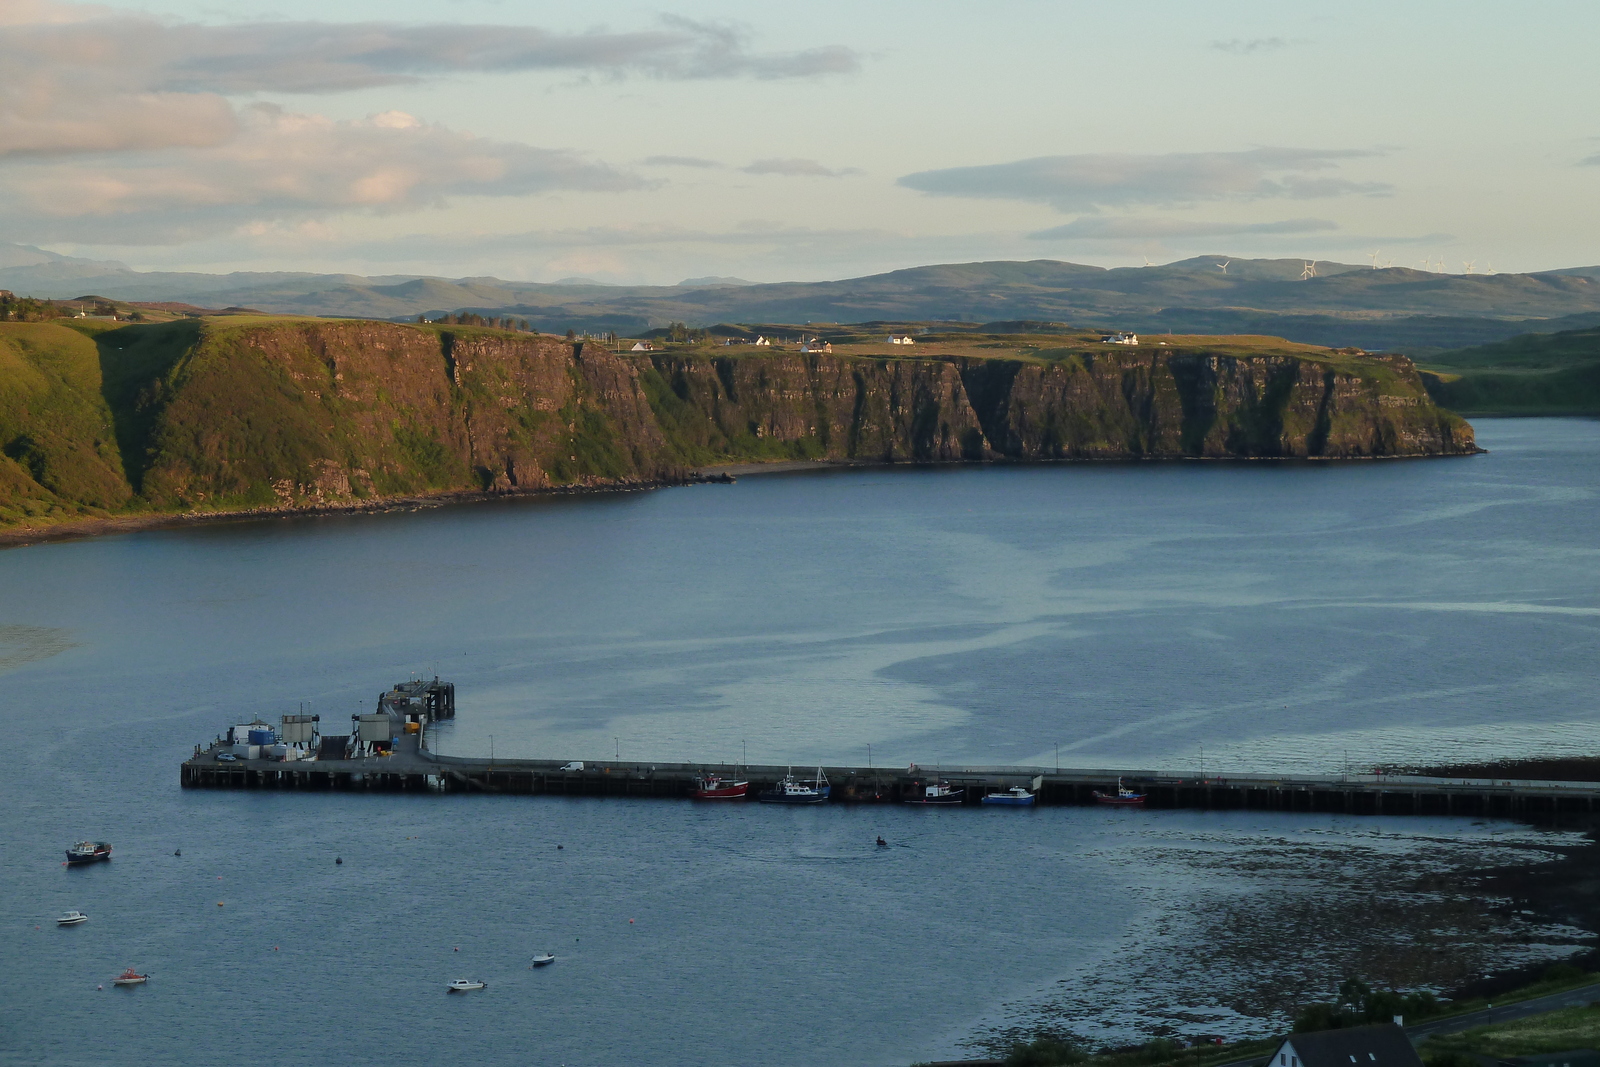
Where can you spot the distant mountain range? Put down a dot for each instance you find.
(1343, 304)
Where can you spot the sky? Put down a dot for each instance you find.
(811, 140)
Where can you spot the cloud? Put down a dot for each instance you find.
(86, 79)
(797, 168)
(1123, 228)
(679, 161)
(283, 166)
(1241, 46)
(1092, 182)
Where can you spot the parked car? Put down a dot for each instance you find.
(575, 765)
(227, 757)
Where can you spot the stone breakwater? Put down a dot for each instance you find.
(256, 414)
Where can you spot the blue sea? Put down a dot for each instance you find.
(1225, 616)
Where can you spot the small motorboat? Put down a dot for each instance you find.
(1016, 797)
(88, 852)
(466, 985)
(1122, 798)
(792, 790)
(940, 792)
(543, 959)
(882, 843)
(72, 918)
(130, 977)
(715, 787)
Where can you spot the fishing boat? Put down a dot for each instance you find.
(72, 918)
(792, 790)
(543, 959)
(940, 792)
(466, 985)
(130, 977)
(88, 852)
(715, 787)
(1122, 798)
(1016, 797)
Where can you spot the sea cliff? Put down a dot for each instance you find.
(246, 414)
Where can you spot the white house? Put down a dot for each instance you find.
(814, 345)
(642, 346)
(1120, 339)
(763, 341)
(901, 339)
(1383, 1045)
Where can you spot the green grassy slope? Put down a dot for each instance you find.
(1533, 374)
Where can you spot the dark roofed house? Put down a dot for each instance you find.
(1384, 1045)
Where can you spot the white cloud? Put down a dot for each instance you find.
(1246, 46)
(680, 161)
(1123, 228)
(797, 168)
(86, 79)
(283, 165)
(1092, 182)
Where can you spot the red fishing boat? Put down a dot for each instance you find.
(715, 787)
(1122, 798)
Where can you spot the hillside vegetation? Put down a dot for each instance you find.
(254, 412)
(1401, 308)
(1534, 374)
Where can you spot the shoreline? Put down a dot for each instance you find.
(100, 526)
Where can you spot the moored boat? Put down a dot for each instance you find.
(466, 985)
(1016, 797)
(88, 852)
(1122, 798)
(72, 918)
(543, 959)
(792, 790)
(715, 787)
(940, 792)
(130, 977)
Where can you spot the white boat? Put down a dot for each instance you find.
(466, 985)
(543, 959)
(72, 918)
(130, 977)
(1016, 797)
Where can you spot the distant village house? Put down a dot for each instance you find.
(642, 346)
(1384, 1045)
(901, 339)
(763, 341)
(816, 345)
(1120, 339)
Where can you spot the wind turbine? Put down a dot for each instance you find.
(1223, 266)
(1388, 263)
(1310, 271)
(1488, 268)
(1373, 255)
(1467, 265)
(1147, 261)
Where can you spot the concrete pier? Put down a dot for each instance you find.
(411, 767)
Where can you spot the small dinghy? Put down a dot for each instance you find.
(130, 977)
(72, 918)
(466, 985)
(543, 959)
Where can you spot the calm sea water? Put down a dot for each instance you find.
(1251, 616)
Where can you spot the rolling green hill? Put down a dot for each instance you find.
(1534, 374)
(1344, 304)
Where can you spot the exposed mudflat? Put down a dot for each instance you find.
(1273, 923)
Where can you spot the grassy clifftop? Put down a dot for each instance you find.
(241, 413)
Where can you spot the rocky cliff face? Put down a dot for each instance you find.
(274, 413)
(1167, 404)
